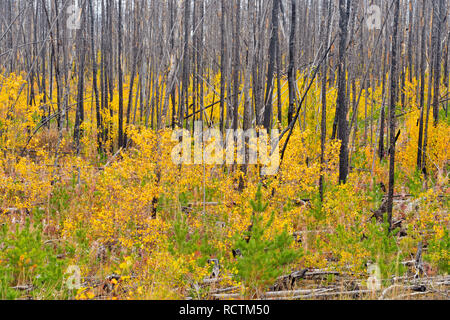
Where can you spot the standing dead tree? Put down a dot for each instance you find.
(341, 104)
(268, 105)
(392, 109)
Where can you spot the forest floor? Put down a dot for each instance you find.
(132, 224)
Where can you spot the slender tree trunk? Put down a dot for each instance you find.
(291, 73)
(446, 72)
(94, 80)
(342, 111)
(79, 119)
(392, 108)
(383, 116)
(268, 102)
(236, 63)
(223, 64)
(135, 52)
(422, 88)
(120, 74)
(185, 94)
(326, 4)
(438, 19)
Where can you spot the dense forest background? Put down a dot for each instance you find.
(92, 205)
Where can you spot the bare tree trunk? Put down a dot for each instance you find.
(427, 121)
(342, 111)
(120, 74)
(135, 53)
(438, 20)
(382, 121)
(236, 63)
(326, 6)
(185, 97)
(268, 110)
(392, 108)
(278, 59)
(247, 81)
(422, 89)
(446, 71)
(79, 119)
(94, 80)
(223, 64)
(291, 73)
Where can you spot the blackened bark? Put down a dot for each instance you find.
(94, 80)
(392, 108)
(79, 117)
(342, 108)
(323, 125)
(438, 21)
(268, 110)
(422, 89)
(291, 73)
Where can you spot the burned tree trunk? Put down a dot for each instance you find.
(222, 66)
(392, 108)
(268, 101)
(291, 72)
(422, 89)
(341, 104)
(120, 74)
(94, 80)
(438, 20)
(79, 117)
(184, 103)
(326, 6)
(236, 63)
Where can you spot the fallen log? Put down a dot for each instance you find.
(226, 296)
(291, 293)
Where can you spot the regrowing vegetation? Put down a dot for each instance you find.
(93, 205)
